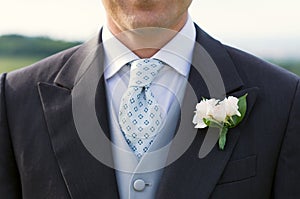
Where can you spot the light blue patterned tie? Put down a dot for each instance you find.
(140, 115)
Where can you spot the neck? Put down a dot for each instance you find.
(147, 41)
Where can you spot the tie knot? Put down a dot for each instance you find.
(144, 71)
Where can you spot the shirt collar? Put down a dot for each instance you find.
(177, 53)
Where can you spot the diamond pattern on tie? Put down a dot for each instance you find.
(140, 115)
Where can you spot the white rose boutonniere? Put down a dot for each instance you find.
(222, 114)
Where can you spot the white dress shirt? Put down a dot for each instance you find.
(168, 88)
(171, 79)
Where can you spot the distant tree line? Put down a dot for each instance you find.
(18, 45)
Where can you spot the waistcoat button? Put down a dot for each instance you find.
(139, 185)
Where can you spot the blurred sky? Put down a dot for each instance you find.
(267, 28)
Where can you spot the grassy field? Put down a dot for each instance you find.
(9, 63)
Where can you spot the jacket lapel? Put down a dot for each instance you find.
(84, 175)
(190, 176)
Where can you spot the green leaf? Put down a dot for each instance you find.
(222, 137)
(243, 105)
(242, 109)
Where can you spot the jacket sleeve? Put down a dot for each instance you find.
(9, 177)
(287, 178)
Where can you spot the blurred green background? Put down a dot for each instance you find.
(17, 51)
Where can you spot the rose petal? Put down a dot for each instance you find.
(201, 125)
(231, 106)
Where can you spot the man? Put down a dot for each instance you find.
(44, 155)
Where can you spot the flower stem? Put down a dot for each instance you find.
(222, 138)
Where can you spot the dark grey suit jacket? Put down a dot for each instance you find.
(41, 155)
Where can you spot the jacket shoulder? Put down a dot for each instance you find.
(44, 70)
(256, 71)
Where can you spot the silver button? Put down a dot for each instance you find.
(139, 185)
